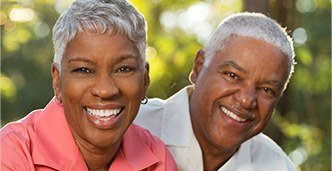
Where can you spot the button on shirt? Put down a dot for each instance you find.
(170, 121)
(43, 141)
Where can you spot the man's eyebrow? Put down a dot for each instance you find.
(236, 66)
(273, 82)
(232, 64)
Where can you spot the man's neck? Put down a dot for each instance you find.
(213, 162)
(213, 157)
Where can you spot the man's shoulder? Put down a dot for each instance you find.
(265, 153)
(150, 116)
(154, 105)
(161, 117)
(263, 142)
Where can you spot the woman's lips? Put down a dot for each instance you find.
(103, 112)
(103, 118)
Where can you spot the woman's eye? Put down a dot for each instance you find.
(82, 70)
(125, 69)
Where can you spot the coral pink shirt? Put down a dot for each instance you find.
(43, 141)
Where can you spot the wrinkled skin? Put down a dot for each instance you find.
(101, 73)
(234, 97)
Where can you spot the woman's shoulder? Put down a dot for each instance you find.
(142, 137)
(156, 146)
(16, 142)
(145, 135)
(22, 128)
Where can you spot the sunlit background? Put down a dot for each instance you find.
(177, 29)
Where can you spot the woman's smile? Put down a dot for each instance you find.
(103, 87)
(103, 118)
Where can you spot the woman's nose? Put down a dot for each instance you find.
(105, 87)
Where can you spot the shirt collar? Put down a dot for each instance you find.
(241, 160)
(63, 152)
(176, 112)
(136, 150)
(53, 138)
(243, 157)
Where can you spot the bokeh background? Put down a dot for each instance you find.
(177, 29)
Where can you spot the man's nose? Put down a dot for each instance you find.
(247, 97)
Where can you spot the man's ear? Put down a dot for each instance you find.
(56, 83)
(146, 77)
(197, 66)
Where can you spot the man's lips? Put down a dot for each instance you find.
(237, 117)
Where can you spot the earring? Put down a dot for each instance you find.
(144, 101)
(57, 100)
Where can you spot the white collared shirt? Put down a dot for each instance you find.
(170, 121)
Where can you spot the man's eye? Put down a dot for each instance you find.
(125, 69)
(268, 90)
(231, 75)
(82, 70)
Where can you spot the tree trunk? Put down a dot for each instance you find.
(261, 6)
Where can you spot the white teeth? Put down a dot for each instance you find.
(232, 115)
(103, 112)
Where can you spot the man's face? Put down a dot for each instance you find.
(234, 96)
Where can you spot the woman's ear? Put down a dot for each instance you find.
(146, 77)
(197, 66)
(56, 83)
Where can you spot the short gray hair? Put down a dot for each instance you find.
(99, 16)
(253, 25)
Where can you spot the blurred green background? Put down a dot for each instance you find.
(177, 29)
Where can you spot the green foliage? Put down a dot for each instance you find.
(302, 123)
(306, 119)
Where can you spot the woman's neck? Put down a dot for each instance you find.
(97, 158)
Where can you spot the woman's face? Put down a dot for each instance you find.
(101, 83)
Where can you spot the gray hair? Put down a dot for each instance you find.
(100, 17)
(253, 25)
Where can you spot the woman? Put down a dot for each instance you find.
(99, 79)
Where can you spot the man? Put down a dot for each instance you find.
(237, 81)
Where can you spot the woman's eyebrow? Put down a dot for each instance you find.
(126, 57)
(79, 59)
